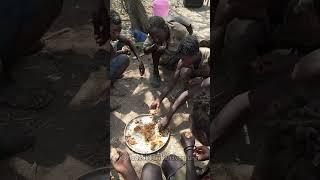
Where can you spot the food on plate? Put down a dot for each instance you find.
(147, 131)
(155, 143)
(131, 140)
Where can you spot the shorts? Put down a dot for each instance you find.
(116, 64)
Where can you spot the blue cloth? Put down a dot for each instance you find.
(117, 63)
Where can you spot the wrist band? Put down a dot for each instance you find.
(188, 148)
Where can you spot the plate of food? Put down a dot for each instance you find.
(142, 135)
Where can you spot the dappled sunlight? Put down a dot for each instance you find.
(180, 118)
(148, 97)
(141, 95)
(139, 89)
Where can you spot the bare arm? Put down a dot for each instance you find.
(129, 43)
(170, 86)
(185, 96)
(229, 115)
(191, 170)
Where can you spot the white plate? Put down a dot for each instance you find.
(142, 146)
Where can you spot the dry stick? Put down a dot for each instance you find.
(57, 33)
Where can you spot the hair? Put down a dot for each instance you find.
(157, 22)
(115, 17)
(189, 46)
(201, 115)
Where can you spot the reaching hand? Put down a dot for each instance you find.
(126, 50)
(163, 124)
(202, 153)
(155, 104)
(123, 163)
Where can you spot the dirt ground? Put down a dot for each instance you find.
(68, 143)
(139, 94)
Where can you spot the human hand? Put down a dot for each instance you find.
(155, 104)
(126, 50)
(202, 153)
(122, 164)
(163, 123)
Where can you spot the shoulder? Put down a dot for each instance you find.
(178, 29)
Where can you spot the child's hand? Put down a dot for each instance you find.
(202, 153)
(163, 124)
(155, 104)
(126, 50)
(123, 163)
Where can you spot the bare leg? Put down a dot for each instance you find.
(155, 79)
(151, 172)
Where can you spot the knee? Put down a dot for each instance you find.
(124, 60)
(151, 171)
(150, 166)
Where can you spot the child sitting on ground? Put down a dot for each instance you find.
(193, 65)
(162, 42)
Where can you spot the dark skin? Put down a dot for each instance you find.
(184, 64)
(306, 69)
(201, 153)
(159, 36)
(99, 20)
(123, 164)
(197, 87)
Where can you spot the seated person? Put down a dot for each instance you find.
(98, 84)
(199, 87)
(194, 63)
(293, 90)
(162, 42)
(119, 59)
(172, 166)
